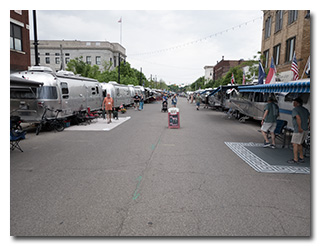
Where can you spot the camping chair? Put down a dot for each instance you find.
(91, 115)
(280, 131)
(15, 137)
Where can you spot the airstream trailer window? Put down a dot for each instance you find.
(265, 97)
(97, 89)
(258, 97)
(47, 92)
(290, 96)
(93, 91)
(23, 93)
(118, 92)
(64, 90)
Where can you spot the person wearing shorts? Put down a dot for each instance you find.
(269, 123)
(301, 125)
(108, 105)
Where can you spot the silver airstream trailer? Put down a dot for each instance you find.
(120, 93)
(140, 90)
(62, 90)
(284, 92)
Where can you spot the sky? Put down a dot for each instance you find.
(169, 45)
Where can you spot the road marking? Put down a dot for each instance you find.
(99, 125)
(136, 195)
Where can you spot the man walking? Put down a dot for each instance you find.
(107, 104)
(269, 122)
(301, 125)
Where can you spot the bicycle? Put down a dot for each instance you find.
(54, 124)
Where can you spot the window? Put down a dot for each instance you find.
(57, 54)
(47, 54)
(279, 18)
(47, 92)
(293, 16)
(67, 54)
(64, 90)
(98, 60)
(266, 56)
(267, 31)
(290, 48)
(47, 60)
(88, 60)
(57, 60)
(304, 96)
(67, 60)
(15, 37)
(276, 54)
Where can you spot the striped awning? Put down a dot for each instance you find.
(214, 91)
(297, 87)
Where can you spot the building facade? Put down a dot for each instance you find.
(284, 33)
(208, 74)
(220, 69)
(19, 40)
(57, 53)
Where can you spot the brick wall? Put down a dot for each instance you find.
(20, 60)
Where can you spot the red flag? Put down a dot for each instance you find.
(232, 79)
(271, 78)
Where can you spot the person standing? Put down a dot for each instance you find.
(269, 122)
(141, 102)
(136, 100)
(198, 101)
(301, 125)
(174, 101)
(108, 105)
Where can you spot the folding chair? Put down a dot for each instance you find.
(15, 137)
(280, 131)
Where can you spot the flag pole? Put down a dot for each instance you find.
(305, 67)
(120, 21)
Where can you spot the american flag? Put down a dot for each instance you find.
(294, 67)
(232, 79)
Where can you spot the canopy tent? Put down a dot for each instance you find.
(297, 87)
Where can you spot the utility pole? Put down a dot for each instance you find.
(36, 43)
(140, 75)
(119, 69)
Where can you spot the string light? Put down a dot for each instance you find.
(193, 42)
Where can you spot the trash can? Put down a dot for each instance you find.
(173, 118)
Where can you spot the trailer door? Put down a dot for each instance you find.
(65, 98)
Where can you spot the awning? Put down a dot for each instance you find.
(297, 87)
(20, 82)
(214, 91)
(205, 91)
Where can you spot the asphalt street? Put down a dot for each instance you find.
(143, 179)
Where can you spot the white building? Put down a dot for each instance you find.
(92, 52)
(208, 73)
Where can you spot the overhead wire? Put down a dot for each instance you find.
(195, 41)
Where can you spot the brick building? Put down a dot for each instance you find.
(285, 32)
(19, 40)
